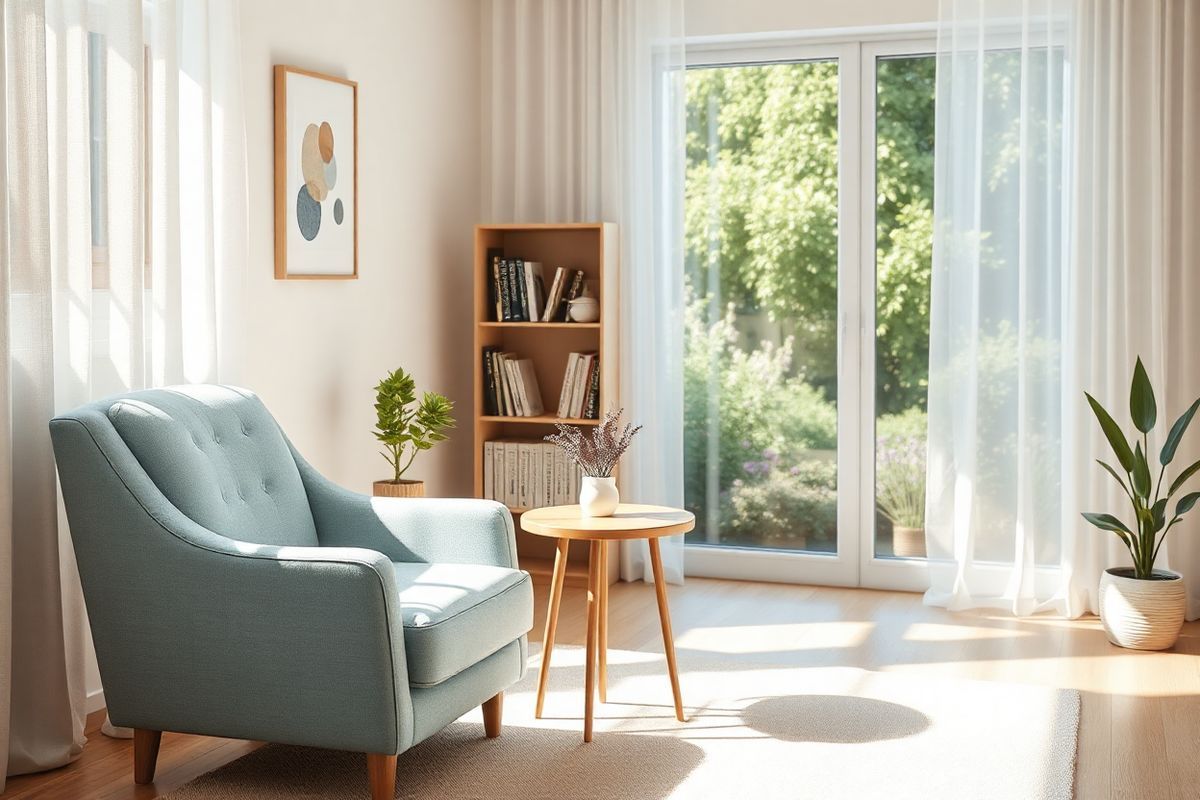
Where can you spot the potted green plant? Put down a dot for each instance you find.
(405, 429)
(1142, 607)
(900, 492)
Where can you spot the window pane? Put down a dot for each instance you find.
(97, 110)
(760, 387)
(904, 126)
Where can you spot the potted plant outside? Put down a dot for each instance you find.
(900, 492)
(1142, 607)
(405, 430)
(597, 457)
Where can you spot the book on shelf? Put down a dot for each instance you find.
(554, 295)
(510, 385)
(501, 279)
(518, 291)
(575, 290)
(516, 282)
(490, 406)
(494, 254)
(580, 395)
(529, 473)
(535, 290)
(591, 404)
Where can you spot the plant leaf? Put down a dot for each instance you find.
(1185, 503)
(1142, 407)
(1109, 469)
(1183, 476)
(1159, 514)
(1112, 431)
(1106, 522)
(1141, 473)
(1177, 430)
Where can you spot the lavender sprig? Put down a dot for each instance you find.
(597, 456)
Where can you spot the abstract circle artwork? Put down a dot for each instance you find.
(316, 175)
(319, 168)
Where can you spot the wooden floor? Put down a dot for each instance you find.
(1140, 729)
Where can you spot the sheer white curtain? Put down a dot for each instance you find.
(583, 120)
(1135, 274)
(123, 163)
(1067, 189)
(997, 328)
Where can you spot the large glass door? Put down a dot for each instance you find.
(807, 205)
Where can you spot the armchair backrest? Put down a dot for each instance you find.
(219, 456)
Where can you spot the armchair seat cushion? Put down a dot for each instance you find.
(455, 615)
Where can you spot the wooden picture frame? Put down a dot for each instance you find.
(311, 173)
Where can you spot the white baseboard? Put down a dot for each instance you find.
(95, 701)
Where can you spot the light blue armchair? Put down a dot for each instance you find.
(233, 591)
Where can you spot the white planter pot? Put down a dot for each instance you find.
(1140, 614)
(598, 497)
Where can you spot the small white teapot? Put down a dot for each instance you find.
(584, 309)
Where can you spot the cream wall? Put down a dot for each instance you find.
(313, 350)
(723, 17)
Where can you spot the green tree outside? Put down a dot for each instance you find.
(761, 223)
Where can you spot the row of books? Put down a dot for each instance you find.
(580, 396)
(529, 473)
(510, 385)
(520, 294)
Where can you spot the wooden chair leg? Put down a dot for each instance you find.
(381, 770)
(493, 710)
(145, 754)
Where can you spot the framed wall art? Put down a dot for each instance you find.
(316, 175)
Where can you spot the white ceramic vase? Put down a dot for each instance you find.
(1142, 614)
(598, 497)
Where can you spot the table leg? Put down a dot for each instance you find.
(593, 612)
(664, 615)
(603, 643)
(556, 587)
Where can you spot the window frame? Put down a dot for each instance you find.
(855, 563)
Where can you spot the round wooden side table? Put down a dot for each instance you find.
(565, 523)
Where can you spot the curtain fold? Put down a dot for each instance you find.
(996, 321)
(1066, 171)
(123, 157)
(1136, 256)
(583, 118)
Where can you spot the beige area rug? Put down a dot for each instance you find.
(754, 731)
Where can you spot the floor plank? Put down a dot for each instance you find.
(1140, 714)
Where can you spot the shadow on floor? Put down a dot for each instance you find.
(837, 719)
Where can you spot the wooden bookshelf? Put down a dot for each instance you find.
(591, 247)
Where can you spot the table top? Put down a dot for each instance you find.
(630, 521)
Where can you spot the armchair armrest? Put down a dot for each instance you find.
(458, 531)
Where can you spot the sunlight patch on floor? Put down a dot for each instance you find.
(937, 632)
(747, 639)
